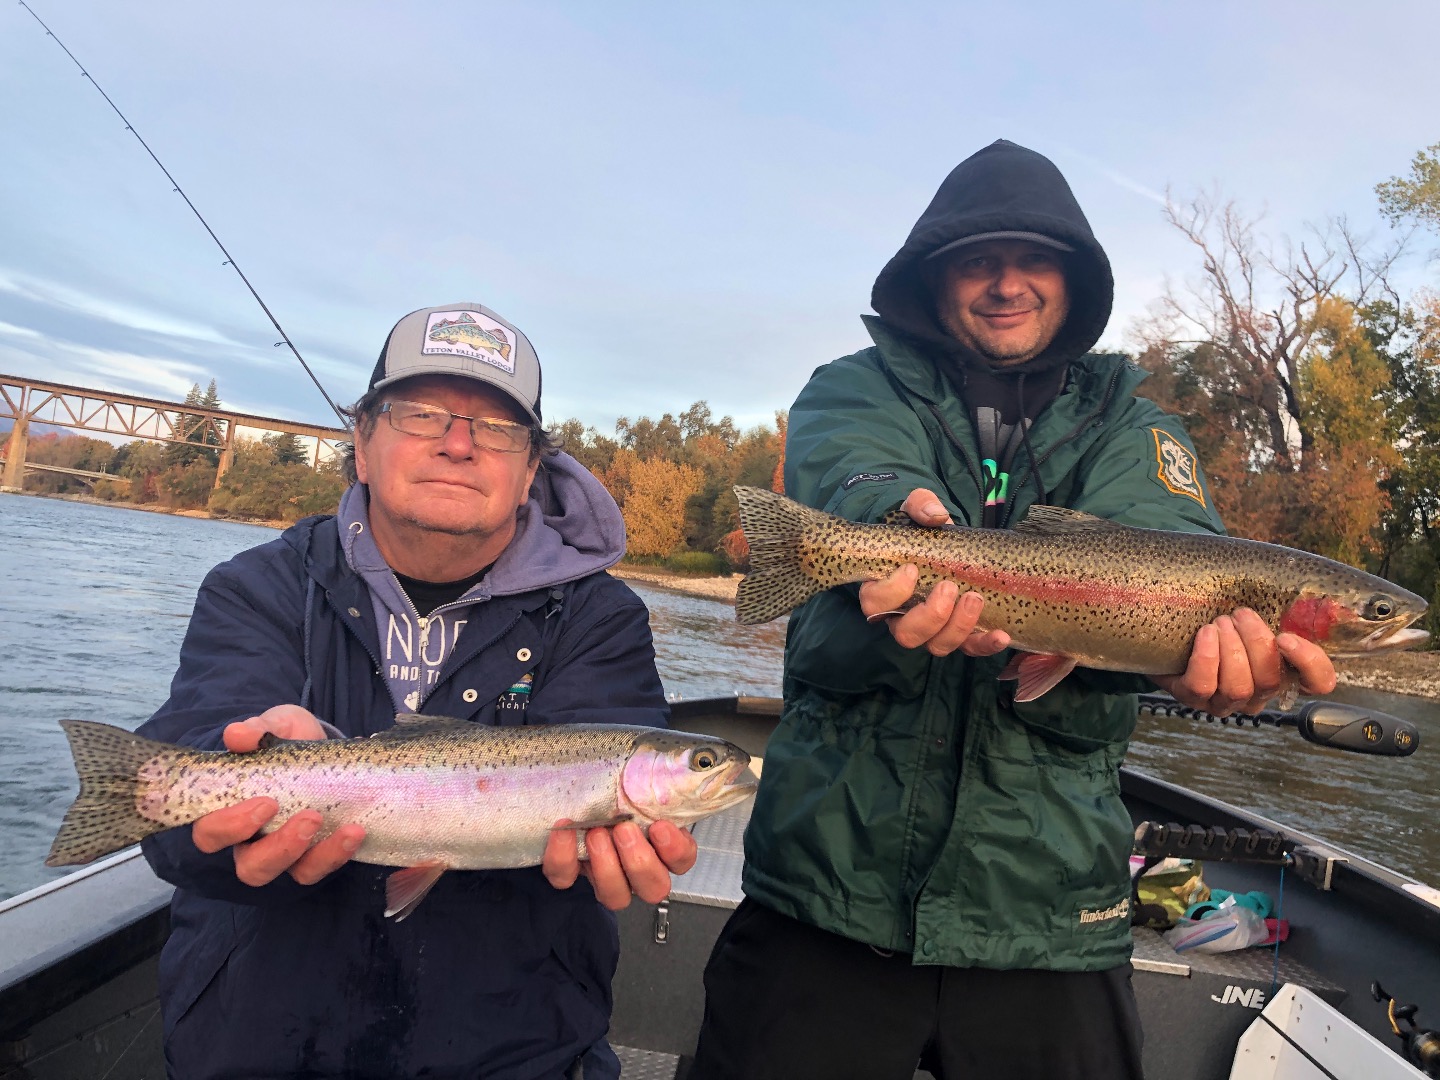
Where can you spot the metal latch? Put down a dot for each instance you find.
(662, 922)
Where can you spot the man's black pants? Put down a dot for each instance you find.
(786, 1001)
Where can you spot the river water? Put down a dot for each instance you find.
(94, 601)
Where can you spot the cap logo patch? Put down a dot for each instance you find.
(1178, 470)
(469, 333)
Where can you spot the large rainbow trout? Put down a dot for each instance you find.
(434, 794)
(1076, 590)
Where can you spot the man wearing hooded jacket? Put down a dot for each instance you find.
(936, 874)
(463, 576)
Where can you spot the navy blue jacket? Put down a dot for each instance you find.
(496, 973)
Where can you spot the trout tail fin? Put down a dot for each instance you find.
(104, 817)
(777, 582)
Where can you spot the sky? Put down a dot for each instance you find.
(675, 202)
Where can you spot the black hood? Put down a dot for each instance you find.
(1003, 187)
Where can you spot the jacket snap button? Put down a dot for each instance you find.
(470, 695)
(523, 655)
(354, 612)
(928, 948)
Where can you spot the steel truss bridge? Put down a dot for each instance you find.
(79, 408)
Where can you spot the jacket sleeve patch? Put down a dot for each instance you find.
(1176, 468)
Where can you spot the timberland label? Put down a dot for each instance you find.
(1101, 915)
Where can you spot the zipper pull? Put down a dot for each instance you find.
(424, 633)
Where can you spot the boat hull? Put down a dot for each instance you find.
(77, 963)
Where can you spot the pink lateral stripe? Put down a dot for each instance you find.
(1060, 590)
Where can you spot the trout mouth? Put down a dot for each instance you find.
(729, 785)
(1387, 639)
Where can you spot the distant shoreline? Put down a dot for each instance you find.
(1415, 674)
(149, 508)
(710, 588)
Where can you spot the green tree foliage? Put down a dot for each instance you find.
(1409, 339)
(287, 447)
(196, 430)
(186, 487)
(1415, 197)
(142, 463)
(260, 485)
(586, 445)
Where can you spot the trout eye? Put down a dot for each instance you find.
(1380, 607)
(703, 759)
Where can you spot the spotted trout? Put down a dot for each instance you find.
(1074, 590)
(434, 794)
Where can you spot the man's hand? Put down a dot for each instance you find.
(947, 619)
(287, 849)
(1235, 666)
(622, 861)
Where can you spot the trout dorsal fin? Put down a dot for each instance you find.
(1051, 520)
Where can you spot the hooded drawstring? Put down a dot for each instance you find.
(1025, 439)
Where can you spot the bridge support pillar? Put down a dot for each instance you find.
(14, 478)
(227, 458)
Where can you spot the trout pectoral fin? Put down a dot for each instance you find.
(1036, 672)
(404, 889)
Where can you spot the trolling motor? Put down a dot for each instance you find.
(1419, 1046)
(1325, 723)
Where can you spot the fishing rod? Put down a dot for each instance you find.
(1325, 723)
(229, 259)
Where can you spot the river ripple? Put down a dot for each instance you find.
(96, 599)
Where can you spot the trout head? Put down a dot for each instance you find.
(1356, 621)
(679, 777)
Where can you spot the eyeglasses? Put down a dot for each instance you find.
(433, 422)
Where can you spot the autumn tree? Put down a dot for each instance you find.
(67, 452)
(1344, 392)
(1254, 312)
(655, 505)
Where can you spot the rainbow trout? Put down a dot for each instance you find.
(1076, 590)
(434, 794)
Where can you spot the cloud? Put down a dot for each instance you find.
(108, 369)
(18, 331)
(54, 294)
(1115, 176)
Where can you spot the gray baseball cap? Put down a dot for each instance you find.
(468, 340)
(1008, 234)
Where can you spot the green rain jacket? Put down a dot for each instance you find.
(908, 801)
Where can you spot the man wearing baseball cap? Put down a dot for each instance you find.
(464, 576)
(936, 872)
